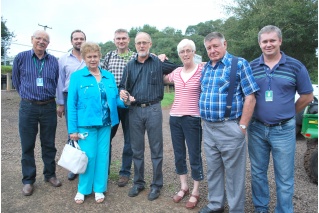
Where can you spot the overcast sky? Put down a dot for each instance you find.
(100, 18)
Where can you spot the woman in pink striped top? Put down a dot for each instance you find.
(185, 121)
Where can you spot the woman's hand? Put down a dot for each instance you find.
(74, 136)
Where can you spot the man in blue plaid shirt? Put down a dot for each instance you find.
(224, 138)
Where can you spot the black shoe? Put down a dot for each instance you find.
(72, 176)
(205, 209)
(154, 194)
(135, 190)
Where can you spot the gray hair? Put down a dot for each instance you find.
(186, 42)
(40, 31)
(270, 29)
(120, 31)
(214, 35)
(148, 35)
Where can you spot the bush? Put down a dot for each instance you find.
(6, 69)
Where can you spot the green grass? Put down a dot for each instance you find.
(168, 99)
(114, 170)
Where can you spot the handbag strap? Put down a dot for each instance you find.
(231, 87)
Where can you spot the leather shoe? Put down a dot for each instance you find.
(205, 209)
(191, 205)
(54, 181)
(27, 189)
(154, 194)
(135, 190)
(72, 176)
(122, 181)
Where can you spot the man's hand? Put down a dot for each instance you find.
(60, 111)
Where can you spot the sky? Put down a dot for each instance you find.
(100, 18)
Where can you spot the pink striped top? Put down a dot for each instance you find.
(186, 93)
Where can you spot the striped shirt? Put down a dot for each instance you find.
(214, 88)
(116, 64)
(26, 70)
(284, 79)
(144, 81)
(186, 93)
(68, 64)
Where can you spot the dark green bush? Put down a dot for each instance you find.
(6, 69)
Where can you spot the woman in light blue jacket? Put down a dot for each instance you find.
(92, 108)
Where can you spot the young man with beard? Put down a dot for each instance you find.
(69, 63)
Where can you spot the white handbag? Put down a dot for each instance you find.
(73, 158)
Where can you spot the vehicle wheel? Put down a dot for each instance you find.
(311, 160)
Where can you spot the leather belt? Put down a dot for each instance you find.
(145, 104)
(277, 124)
(39, 102)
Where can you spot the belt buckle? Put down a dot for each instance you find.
(143, 105)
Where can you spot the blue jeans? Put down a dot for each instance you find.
(30, 116)
(281, 142)
(127, 153)
(150, 119)
(189, 129)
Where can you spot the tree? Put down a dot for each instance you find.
(6, 37)
(298, 20)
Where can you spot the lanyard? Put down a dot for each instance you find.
(269, 75)
(41, 67)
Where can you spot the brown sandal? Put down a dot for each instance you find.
(178, 198)
(191, 205)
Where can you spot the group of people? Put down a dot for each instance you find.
(219, 102)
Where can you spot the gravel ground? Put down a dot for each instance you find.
(49, 199)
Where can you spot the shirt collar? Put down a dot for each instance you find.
(281, 61)
(33, 54)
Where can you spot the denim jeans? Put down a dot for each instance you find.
(150, 119)
(187, 129)
(127, 153)
(30, 116)
(281, 142)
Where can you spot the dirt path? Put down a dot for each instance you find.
(49, 199)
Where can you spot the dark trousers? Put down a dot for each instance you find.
(187, 130)
(150, 119)
(127, 153)
(30, 117)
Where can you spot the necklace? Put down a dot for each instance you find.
(95, 74)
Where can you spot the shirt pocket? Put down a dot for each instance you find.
(87, 91)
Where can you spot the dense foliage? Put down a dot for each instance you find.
(298, 20)
(6, 36)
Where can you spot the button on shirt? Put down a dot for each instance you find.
(68, 64)
(25, 71)
(144, 81)
(214, 88)
(287, 77)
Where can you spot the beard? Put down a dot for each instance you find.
(143, 54)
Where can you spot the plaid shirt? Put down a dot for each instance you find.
(214, 88)
(116, 64)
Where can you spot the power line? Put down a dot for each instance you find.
(45, 27)
(31, 46)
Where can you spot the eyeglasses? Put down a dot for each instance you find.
(142, 42)
(43, 39)
(188, 51)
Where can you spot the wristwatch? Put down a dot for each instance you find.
(243, 126)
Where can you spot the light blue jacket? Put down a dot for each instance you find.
(84, 99)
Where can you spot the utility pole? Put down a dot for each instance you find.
(45, 27)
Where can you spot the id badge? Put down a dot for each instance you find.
(40, 82)
(269, 95)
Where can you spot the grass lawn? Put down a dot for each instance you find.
(168, 99)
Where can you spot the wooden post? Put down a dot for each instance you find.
(9, 81)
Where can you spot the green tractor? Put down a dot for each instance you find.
(309, 130)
